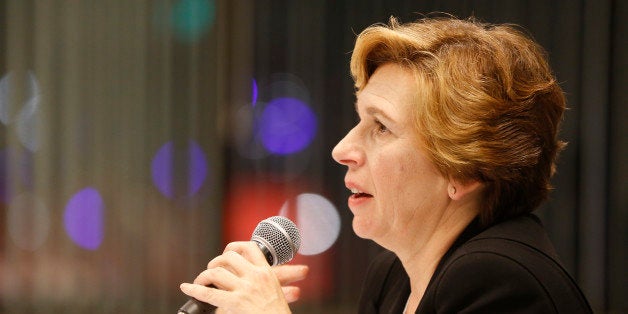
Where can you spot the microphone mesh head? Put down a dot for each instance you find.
(282, 235)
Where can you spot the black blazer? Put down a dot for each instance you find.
(510, 267)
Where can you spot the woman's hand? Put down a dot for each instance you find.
(287, 274)
(241, 281)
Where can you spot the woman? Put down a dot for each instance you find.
(455, 146)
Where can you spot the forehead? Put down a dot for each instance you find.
(390, 87)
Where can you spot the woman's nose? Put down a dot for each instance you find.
(347, 152)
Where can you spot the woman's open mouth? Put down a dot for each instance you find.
(359, 194)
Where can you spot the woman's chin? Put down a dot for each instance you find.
(363, 228)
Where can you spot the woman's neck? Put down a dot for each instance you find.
(421, 259)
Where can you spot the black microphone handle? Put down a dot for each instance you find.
(194, 306)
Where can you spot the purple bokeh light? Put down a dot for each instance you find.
(161, 170)
(286, 126)
(84, 218)
(163, 174)
(254, 92)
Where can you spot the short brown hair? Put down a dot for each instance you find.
(488, 105)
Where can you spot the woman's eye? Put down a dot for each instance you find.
(381, 128)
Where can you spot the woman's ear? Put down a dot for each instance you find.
(458, 189)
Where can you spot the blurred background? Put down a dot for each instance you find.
(138, 137)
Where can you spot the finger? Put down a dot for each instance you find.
(231, 261)
(290, 273)
(209, 295)
(249, 250)
(291, 293)
(218, 277)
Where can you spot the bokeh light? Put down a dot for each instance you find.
(26, 112)
(278, 122)
(197, 168)
(28, 221)
(286, 126)
(317, 219)
(84, 218)
(9, 105)
(192, 19)
(162, 169)
(16, 172)
(254, 92)
(27, 124)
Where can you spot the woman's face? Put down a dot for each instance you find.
(396, 190)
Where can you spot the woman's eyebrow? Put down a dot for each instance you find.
(370, 109)
(376, 111)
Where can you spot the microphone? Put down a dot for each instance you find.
(279, 240)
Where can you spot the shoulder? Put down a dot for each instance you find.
(511, 266)
(386, 285)
(480, 281)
